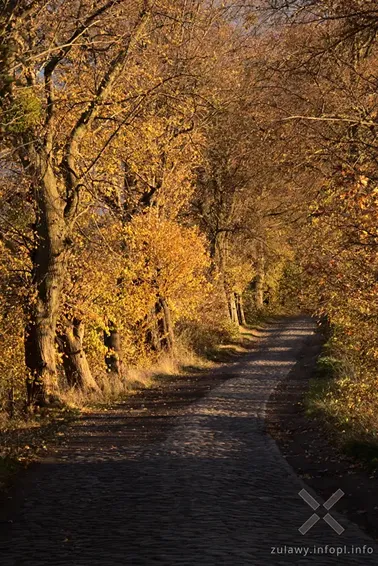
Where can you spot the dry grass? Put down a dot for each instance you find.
(114, 388)
(24, 437)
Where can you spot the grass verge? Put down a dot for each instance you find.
(346, 402)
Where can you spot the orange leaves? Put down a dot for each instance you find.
(171, 258)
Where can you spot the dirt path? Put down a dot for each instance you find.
(194, 483)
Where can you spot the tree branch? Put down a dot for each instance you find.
(85, 120)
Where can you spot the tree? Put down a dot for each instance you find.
(73, 77)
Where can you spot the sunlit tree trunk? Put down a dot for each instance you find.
(220, 255)
(112, 341)
(165, 325)
(240, 307)
(152, 333)
(233, 309)
(260, 277)
(49, 265)
(75, 362)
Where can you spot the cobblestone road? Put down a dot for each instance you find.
(215, 492)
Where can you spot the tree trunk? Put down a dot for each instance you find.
(49, 263)
(75, 362)
(221, 255)
(233, 309)
(260, 278)
(153, 334)
(165, 325)
(240, 307)
(112, 341)
(40, 361)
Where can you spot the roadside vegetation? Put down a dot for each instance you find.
(345, 400)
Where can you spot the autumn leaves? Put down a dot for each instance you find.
(115, 136)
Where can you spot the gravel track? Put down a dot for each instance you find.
(213, 490)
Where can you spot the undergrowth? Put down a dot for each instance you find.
(344, 394)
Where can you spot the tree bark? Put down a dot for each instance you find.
(49, 264)
(240, 307)
(233, 309)
(112, 341)
(152, 334)
(220, 259)
(260, 278)
(165, 325)
(75, 362)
